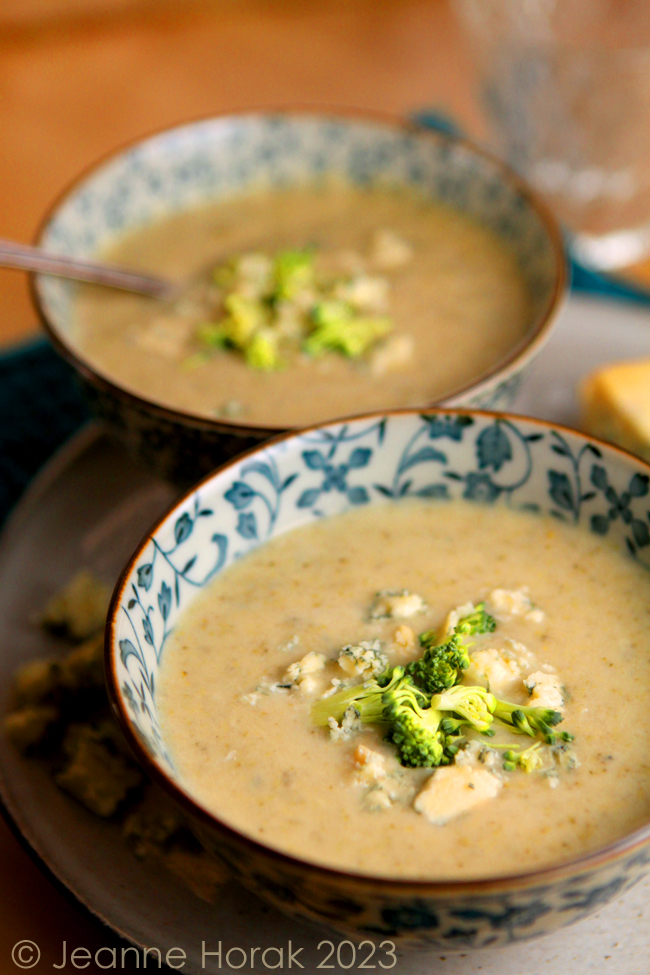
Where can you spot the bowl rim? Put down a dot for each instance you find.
(526, 347)
(525, 879)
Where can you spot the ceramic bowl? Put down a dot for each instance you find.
(214, 159)
(484, 457)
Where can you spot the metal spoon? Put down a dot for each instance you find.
(34, 259)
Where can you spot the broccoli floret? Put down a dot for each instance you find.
(416, 733)
(293, 272)
(477, 622)
(352, 336)
(440, 666)
(245, 316)
(529, 721)
(262, 351)
(396, 704)
(473, 704)
(366, 698)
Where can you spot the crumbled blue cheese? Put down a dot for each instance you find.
(404, 643)
(496, 669)
(366, 658)
(545, 690)
(371, 765)
(524, 657)
(350, 725)
(476, 753)
(389, 251)
(263, 689)
(365, 293)
(302, 673)
(290, 644)
(453, 790)
(392, 604)
(253, 273)
(506, 603)
(393, 354)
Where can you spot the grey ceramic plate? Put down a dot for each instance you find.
(90, 506)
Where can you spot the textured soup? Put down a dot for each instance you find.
(461, 299)
(250, 753)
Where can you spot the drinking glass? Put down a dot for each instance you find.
(565, 85)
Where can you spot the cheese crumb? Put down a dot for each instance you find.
(492, 667)
(371, 765)
(475, 753)
(396, 604)
(453, 790)
(515, 602)
(393, 354)
(301, 673)
(365, 293)
(366, 658)
(388, 250)
(350, 725)
(545, 691)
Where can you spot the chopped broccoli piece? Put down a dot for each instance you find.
(372, 699)
(528, 721)
(214, 334)
(262, 351)
(477, 622)
(527, 760)
(393, 702)
(366, 698)
(439, 668)
(245, 317)
(338, 329)
(416, 733)
(293, 272)
(473, 704)
(284, 295)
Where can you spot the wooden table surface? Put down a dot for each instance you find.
(71, 90)
(75, 90)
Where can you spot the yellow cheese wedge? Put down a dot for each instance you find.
(615, 405)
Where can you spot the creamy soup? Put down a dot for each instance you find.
(571, 633)
(457, 303)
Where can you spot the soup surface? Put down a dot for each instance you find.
(458, 305)
(248, 750)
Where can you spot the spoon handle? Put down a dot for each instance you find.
(34, 259)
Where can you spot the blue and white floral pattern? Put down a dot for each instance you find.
(437, 455)
(214, 159)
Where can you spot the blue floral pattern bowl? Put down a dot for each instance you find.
(214, 159)
(487, 458)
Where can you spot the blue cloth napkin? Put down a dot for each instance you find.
(41, 405)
